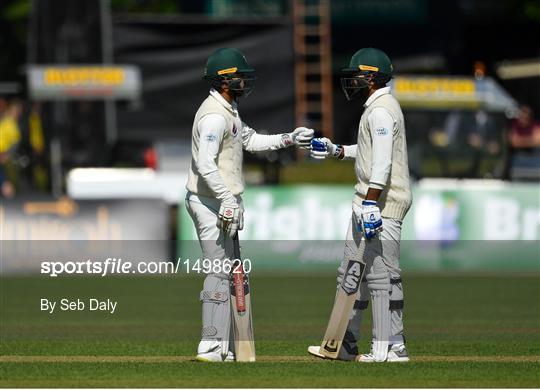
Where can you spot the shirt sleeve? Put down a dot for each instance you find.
(381, 124)
(212, 129)
(349, 152)
(254, 142)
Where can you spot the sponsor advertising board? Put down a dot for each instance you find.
(451, 225)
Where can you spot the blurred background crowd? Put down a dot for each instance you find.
(487, 129)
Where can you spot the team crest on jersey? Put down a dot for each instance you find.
(234, 130)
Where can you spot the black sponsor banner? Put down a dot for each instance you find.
(172, 58)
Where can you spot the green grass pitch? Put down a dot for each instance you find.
(462, 331)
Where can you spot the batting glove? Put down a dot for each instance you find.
(230, 218)
(368, 219)
(371, 219)
(301, 137)
(322, 147)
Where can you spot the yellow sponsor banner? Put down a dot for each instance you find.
(84, 76)
(434, 86)
(87, 82)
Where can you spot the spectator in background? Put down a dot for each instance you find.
(36, 138)
(10, 137)
(469, 137)
(524, 146)
(3, 106)
(485, 141)
(525, 131)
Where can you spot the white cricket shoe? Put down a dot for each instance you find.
(343, 354)
(397, 354)
(210, 351)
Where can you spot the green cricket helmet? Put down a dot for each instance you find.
(366, 65)
(229, 66)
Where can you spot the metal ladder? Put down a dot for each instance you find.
(313, 65)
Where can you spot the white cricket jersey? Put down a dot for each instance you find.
(218, 137)
(381, 155)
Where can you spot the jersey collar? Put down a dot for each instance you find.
(376, 94)
(231, 107)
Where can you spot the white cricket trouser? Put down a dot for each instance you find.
(381, 282)
(215, 294)
(204, 212)
(385, 245)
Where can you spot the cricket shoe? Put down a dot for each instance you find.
(215, 357)
(343, 354)
(397, 353)
(210, 351)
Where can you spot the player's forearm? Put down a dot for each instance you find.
(217, 186)
(261, 142)
(349, 152)
(209, 172)
(253, 142)
(373, 193)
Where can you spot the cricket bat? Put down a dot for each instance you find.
(244, 343)
(346, 295)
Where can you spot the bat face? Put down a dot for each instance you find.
(353, 275)
(343, 306)
(241, 310)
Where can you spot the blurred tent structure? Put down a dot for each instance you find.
(456, 125)
(63, 32)
(170, 51)
(453, 92)
(172, 54)
(477, 59)
(298, 48)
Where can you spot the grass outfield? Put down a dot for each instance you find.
(463, 331)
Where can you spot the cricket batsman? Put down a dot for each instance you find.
(381, 201)
(215, 184)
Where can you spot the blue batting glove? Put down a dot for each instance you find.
(323, 147)
(371, 218)
(319, 148)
